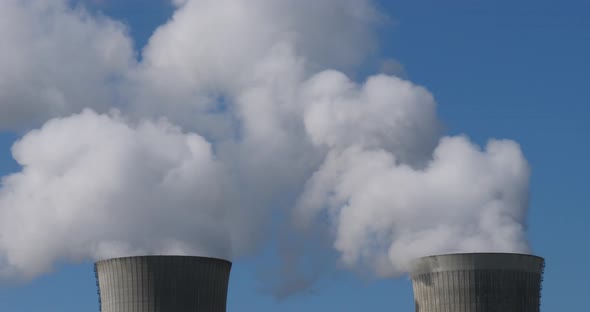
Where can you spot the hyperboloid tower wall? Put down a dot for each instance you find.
(478, 282)
(162, 284)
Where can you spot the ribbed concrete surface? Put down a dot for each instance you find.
(481, 282)
(163, 284)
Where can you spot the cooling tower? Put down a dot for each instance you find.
(477, 282)
(162, 284)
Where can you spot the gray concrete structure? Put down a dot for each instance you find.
(162, 284)
(477, 282)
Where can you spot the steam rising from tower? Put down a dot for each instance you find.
(238, 115)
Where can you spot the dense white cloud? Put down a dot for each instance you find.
(216, 43)
(238, 113)
(384, 213)
(386, 112)
(93, 186)
(56, 61)
(219, 49)
(392, 189)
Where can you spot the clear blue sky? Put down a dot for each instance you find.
(509, 69)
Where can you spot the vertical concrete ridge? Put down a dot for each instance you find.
(162, 283)
(478, 282)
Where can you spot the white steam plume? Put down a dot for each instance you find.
(56, 60)
(239, 111)
(384, 213)
(93, 186)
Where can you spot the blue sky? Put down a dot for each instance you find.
(498, 69)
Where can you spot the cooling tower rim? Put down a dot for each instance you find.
(482, 254)
(164, 256)
(477, 261)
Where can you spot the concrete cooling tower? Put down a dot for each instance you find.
(477, 282)
(162, 284)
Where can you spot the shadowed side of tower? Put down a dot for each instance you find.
(163, 283)
(478, 282)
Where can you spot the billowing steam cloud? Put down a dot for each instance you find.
(239, 113)
(94, 186)
(56, 61)
(386, 213)
(393, 190)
